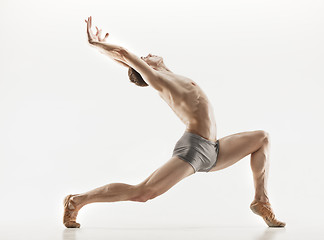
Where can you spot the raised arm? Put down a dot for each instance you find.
(123, 56)
(97, 41)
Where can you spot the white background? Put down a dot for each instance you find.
(70, 120)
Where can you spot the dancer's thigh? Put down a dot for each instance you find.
(166, 176)
(234, 147)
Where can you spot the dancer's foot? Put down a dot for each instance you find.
(70, 212)
(264, 210)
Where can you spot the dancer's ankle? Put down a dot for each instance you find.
(261, 199)
(78, 201)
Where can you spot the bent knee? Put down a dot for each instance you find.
(264, 136)
(145, 194)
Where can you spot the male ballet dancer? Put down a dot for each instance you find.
(196, 151)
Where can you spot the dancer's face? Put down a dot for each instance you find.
(153, 60)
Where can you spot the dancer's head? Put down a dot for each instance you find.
(154, 61)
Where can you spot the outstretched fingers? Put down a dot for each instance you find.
(89, 29)
(106, 36)
(88, 22)
(96, 36)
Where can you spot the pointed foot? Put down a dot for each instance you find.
(264, 210)
(70, 213)
(72, 224)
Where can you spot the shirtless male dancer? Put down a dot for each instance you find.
(198, 150)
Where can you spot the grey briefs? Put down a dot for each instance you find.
(201, 153)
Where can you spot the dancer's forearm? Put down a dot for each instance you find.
(113, 51)
(122, 63)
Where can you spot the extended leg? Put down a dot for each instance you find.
(160, 181)
(108, 193)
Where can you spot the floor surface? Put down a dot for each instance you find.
(162, 232)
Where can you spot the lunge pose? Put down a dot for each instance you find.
(198, 149)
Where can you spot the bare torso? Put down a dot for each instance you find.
(190, 104)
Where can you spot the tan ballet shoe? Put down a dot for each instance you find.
(70, 213)
(264, 210)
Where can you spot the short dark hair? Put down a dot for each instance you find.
(136, 78)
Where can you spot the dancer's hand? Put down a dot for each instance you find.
(94, 38)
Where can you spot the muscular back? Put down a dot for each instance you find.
(189, 103)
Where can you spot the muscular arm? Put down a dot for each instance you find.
(113, 51)
(98, 42)
(122, 63)
(124, 57)
(129, 59)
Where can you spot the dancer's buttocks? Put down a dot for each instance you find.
(199, 152)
